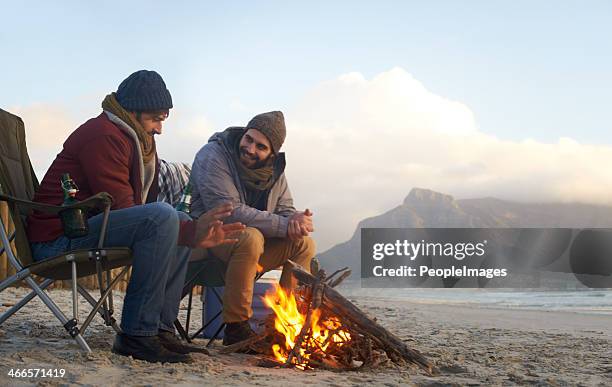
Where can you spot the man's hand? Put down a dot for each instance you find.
(300, 225)
(210, 230)
(218, 234)
(218, 213)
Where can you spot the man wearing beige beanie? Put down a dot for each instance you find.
(244, 165)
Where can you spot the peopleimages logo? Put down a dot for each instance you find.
(414, 250)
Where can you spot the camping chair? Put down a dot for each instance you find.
(207, 272)
(17, 185)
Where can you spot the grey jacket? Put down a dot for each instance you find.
(215, 180)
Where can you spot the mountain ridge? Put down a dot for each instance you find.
(424, 207)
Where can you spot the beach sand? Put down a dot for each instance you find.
(470, 346)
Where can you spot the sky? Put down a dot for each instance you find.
(482, 98)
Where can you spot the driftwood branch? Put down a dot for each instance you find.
(329, 278)
(339, 280)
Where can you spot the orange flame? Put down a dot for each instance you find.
(290, 321)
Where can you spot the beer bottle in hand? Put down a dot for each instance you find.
(74, 220)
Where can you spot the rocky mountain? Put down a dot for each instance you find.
(427, 208)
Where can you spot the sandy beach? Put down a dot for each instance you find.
(470, 345)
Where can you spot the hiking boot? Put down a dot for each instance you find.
(148, 348)
(237, 332)
(169, 341)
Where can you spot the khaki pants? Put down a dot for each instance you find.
(242, 258)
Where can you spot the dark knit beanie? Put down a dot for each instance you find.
(144, 91)
(272, 125)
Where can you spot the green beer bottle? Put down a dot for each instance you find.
(185, 203)
(314, 266)
(74, 220)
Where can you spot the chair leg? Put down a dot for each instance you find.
(189, 305)
(20, 275)
(24, 301)
(79, 339)
(92, 302)
(111, 308)
(103, 290)
(198, 332)
(75, 294)
(206, 325)
(184, 335)
(184, 332)
(68, 324)
(102, 300)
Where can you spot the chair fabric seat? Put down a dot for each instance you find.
(60, 267)
(206, 272)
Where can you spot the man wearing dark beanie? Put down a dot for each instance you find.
(244, 165)
(115, 152)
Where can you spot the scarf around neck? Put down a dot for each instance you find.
(147, 145)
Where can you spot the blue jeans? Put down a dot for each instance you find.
(158, 270)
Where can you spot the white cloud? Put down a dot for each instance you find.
(355, 148)
(237, 105)
(183, 136)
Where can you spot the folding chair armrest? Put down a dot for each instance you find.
(99, 201)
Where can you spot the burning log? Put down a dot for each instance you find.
(314, 304)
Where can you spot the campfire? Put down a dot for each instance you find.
(316, 327)
(304, 341)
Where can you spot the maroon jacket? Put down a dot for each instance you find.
(99, 157)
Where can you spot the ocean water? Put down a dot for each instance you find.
(587, 301)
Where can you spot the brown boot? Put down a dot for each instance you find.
(237, 332)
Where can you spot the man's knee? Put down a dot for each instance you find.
(162, 211)
(308, 247)
(251, 240)
(305, 251)
(157, 218)
(182, 216)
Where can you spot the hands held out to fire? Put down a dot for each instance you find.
(210, 230)
(300, 225)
